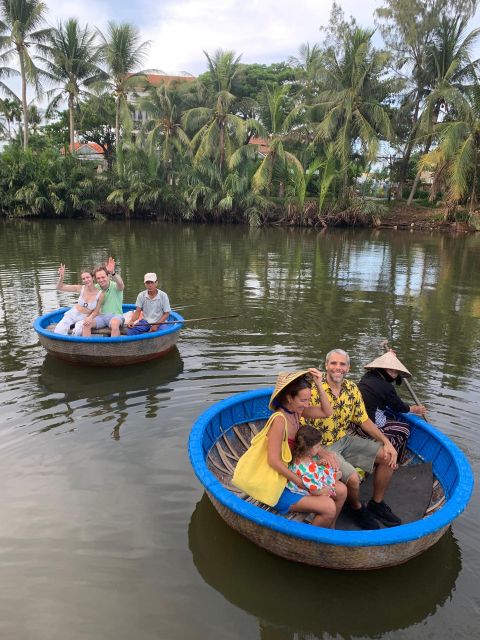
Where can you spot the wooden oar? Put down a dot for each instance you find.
(235, 315)
(386, 348)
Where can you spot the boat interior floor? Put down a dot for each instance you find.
(408, 494)
(413, 493)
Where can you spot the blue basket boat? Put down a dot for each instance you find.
(223, 432)
(103, 351)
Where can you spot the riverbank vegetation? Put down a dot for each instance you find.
(330, 137)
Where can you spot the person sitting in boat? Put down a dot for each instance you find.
(87, 307)
(317, 479)
(154, 304)
(382, 401)
(112, 285)
(289, 399)
(349, 451)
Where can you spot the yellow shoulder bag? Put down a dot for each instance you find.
(254, 475)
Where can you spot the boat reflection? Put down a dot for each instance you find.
(111, 390)
(290, 599)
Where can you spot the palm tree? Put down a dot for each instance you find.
(456, 159)
(70, 57)
(123, 53)
(350, 108)
(451, 72)
(22, 19)
(219, 131)
(280, 168)
(223, 68)
(11, 111)
(308, 68)
(164, 127)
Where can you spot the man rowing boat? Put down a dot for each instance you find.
(154, 304)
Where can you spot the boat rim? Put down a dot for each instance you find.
(42, 321)
(404, 533)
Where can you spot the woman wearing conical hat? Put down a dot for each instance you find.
(382, 401)
(290, 397)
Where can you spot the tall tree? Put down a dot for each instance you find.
(218, 130)
(11, 112)
(280, 171)
(123, 52)
(456, 159)
(407, 27)
(451, 72)
(223, 68)
(163, 126)
(70, 57)
(22, 19)
(350, 109)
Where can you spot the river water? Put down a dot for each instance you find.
(105, 531)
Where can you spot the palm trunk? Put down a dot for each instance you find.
(473, 197)
(24, 101)
(222, 146)
(117, 122)
(71, 123)
(408, 152)
(436, 111)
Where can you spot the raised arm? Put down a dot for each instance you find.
(325, 407)
(110, 267)
(61, 286)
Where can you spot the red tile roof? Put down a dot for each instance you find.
(96, 148)
(263, 146)
(156, 79)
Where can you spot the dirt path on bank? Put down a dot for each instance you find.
(402, 216)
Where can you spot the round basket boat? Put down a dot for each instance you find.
(222, 433)
(102, 350)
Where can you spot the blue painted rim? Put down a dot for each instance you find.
(396, 535)
(54, 316)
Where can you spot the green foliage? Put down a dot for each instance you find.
(46, 184)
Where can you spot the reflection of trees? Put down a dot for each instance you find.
(293, 601)
(297, 291)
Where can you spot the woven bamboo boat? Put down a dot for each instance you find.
(101, 350)
(223, 432)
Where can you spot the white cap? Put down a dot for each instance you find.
(150, 276)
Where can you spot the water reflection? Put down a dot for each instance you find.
(290, 600)
(116, 387)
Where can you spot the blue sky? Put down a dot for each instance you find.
(263, 31)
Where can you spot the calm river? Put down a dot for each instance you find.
(105, 532)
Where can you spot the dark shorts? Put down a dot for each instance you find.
(143, 326)
(286, 500)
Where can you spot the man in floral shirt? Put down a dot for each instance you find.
(345, 451)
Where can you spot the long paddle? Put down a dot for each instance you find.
(235, 315)
(386, 348)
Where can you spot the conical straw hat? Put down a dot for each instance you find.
(389, 361)
(284, 378)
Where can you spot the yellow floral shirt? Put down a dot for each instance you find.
(347, 408)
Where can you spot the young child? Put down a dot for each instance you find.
(319, 480)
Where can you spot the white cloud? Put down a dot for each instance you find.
(263, 31)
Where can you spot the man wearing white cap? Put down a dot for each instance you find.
(376, 455)
(155, 307)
